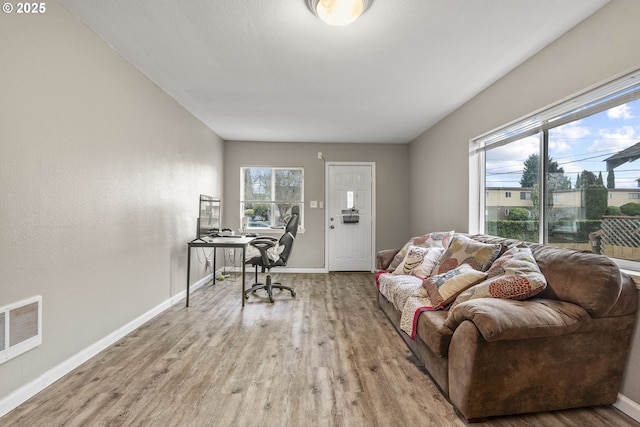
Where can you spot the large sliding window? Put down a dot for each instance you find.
(267, 195)
(576, 167)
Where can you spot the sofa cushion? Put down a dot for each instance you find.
(463, 250)
(592, 281)
(501, 319)
(515, 275)
(443, 288)
(432, 331)
(429, 240)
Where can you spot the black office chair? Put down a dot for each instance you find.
(263, 244)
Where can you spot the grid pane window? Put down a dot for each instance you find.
(268, 194)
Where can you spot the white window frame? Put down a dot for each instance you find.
(272, 202)
(591, 101)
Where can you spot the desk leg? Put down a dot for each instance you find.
(214, 266)
(244, 248)
(188, 271)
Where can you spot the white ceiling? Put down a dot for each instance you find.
(270, 70)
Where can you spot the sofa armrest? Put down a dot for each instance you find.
(504, 319)
(384, 258)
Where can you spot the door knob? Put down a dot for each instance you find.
(332, 227)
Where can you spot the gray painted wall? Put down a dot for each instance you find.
(100, 176)
(391, 184)
(602, 47)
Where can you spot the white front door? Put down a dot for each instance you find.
(350, 216)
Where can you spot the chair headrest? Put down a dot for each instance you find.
(292, 224)
(289, 236)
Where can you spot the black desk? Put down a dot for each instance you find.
(218, 242)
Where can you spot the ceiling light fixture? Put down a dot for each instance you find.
(338, 12)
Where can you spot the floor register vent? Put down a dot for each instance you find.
(20, 327)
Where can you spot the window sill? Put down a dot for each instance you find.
(635, 275)
(271, 231)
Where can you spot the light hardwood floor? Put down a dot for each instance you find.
(329, 357)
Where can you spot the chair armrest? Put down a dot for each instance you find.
(263, 244)
(264, 241)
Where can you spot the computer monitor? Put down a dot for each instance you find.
(209, 216)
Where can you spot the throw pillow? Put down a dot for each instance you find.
(515, 275)
(464, 250)
(429, 240)
(412, 260)
(442, 289)
(419, 261)
(425, 269)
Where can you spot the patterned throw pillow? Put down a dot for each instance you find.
(515, 275)
(430, 259)
(419, 261)
(429, 240)
(413, 259)
(463, 250)
(444, 288)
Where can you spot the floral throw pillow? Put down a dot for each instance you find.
(429, 240)
(464, 250)
(442, 289)
(515, 275)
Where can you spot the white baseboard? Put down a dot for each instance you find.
(27, 391)
(628, 406)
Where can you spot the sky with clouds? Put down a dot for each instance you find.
(580, 145)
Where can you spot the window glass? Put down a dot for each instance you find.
(268, 194)
(589, 196)
(508, 169)
(594, 168)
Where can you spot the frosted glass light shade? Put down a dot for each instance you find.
(338, 12)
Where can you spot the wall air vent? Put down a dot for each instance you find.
(20, 327)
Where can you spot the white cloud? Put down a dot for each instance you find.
(518, 150)
(563, 138)
(571, 130)
(615, 140)
(620, 112)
